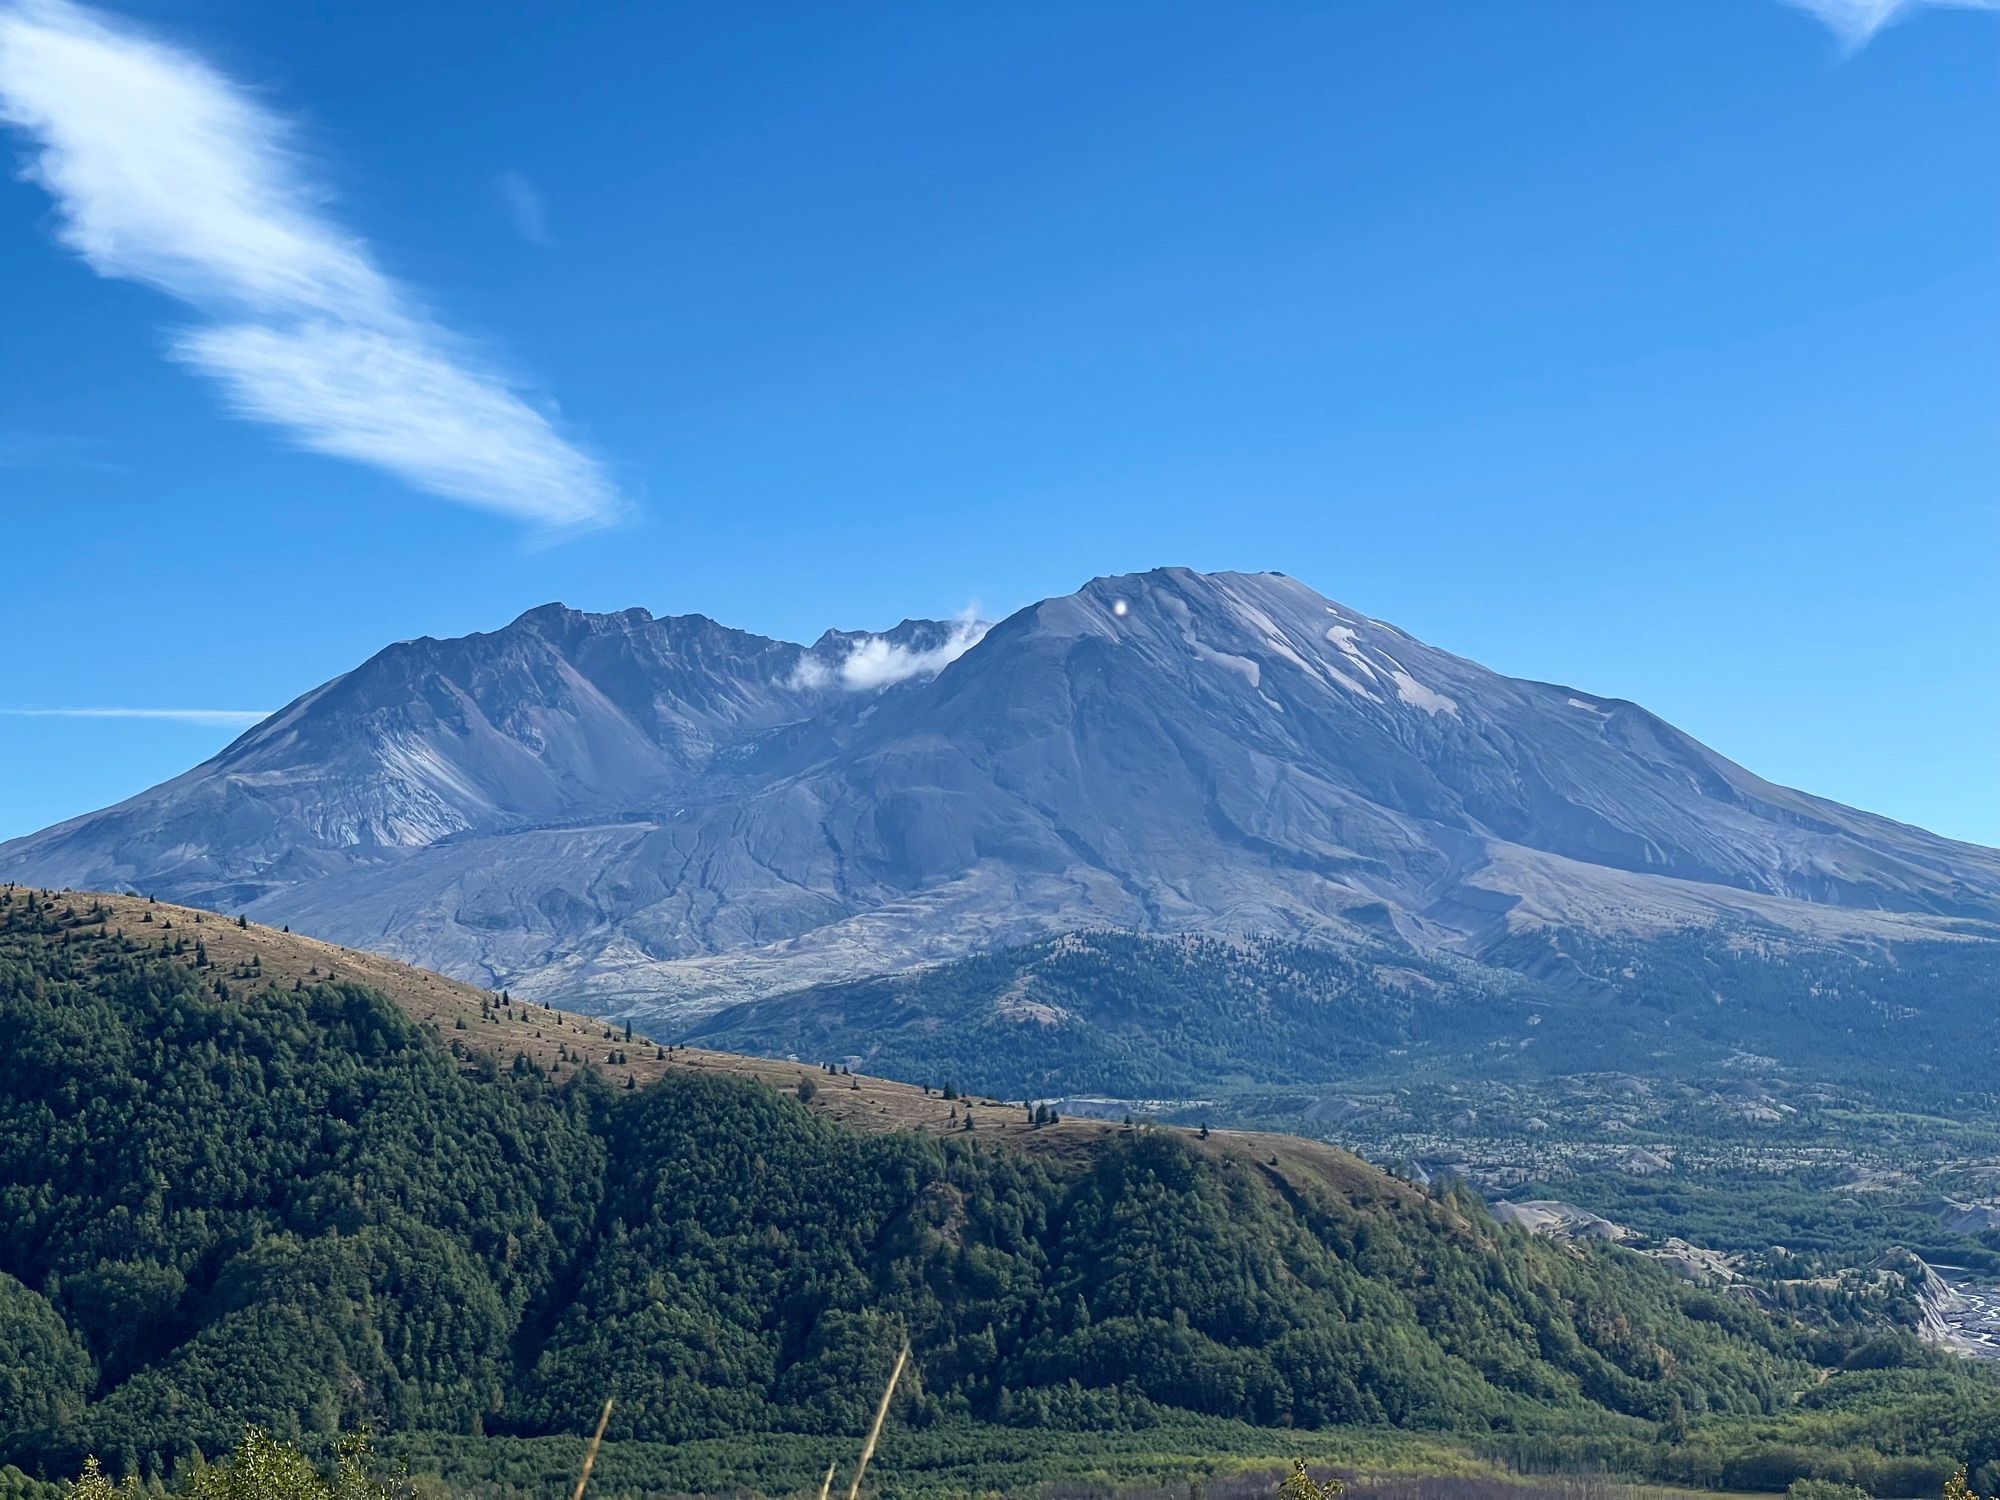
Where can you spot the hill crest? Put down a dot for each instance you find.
(474, 1022)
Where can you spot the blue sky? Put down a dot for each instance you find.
(1652, 348)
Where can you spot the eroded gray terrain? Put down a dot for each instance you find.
(666, 814)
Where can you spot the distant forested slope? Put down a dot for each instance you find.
(1138, 1016)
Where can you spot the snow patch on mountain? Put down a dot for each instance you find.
(1414, 693)
(1242, 666)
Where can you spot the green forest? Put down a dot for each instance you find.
(1118, 1013)
(226, 1205)
(1129, 1016)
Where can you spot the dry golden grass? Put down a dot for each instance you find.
(590, 1453)
(881, 1416)
(474, 1018)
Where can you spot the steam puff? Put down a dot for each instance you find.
(878, 662)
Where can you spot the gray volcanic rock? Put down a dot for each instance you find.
(667, 814)
(1558, 1221)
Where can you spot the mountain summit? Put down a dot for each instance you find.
(667, 813)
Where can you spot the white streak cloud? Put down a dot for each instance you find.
(1854, 22)
(223, 716)
(53, 450)
(168, 173)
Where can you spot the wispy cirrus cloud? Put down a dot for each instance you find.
(54, 450)
(166, 172)
(1854, 22)
(525, 208)
(210, 716)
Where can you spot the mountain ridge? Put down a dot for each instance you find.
(652, 812)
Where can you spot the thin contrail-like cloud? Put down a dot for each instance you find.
(53, 450)
(525, 207)
(166, 172)
(221, 716)
(1856, 21)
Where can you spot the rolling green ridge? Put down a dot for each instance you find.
(1819, 1097)
(223, 1203)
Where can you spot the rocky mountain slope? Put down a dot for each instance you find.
(665, 814)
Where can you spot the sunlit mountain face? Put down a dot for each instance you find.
(667, 815)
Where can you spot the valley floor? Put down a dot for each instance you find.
(1973, 1316)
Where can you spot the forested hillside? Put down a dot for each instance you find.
(1134, 1016)
(228, 1199)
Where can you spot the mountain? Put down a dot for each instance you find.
(665, 815)
(243, 1185)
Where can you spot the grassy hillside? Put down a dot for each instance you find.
(252, 961)
(238, 1183)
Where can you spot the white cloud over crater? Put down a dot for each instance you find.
(876, 662)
